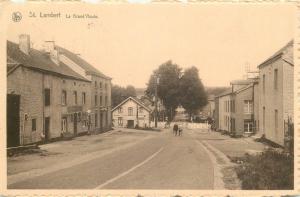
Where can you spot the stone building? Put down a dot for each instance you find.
(46, 99)
(276, 94)
(131, 113)
(100, 89)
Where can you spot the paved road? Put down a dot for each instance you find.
(161, 162)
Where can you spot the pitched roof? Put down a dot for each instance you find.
(225, 92)
(278, 54)
(135, 100)
(241, 82)
(38, 60)
(82, 63)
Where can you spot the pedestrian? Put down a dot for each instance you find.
(175, 129)
(180, 131)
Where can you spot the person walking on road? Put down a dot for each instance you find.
(175, 129)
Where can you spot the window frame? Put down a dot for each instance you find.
(33, 125)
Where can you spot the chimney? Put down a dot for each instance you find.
(52, 51)
(24, 43)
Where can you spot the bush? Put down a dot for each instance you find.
(268, 170)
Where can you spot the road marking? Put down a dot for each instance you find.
(130, 170)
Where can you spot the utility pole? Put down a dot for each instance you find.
(155, 112)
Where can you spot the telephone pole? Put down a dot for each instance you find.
(155, 111)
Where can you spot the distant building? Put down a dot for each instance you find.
(209, 109)
(276, 87)
(131, 113)
(46, 99)
(235, 111)
(243, 111)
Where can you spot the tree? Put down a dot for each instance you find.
(192, 92)
(118, 93)
(169, 75)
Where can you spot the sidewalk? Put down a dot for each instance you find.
(232, 147)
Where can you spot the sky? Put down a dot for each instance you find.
(128, 41)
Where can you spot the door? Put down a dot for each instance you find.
(130, 123)
(47, 128)
(75, 123)
(13, 120)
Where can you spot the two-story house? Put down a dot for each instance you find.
(45, 97)
(131, 113)
(276, 92)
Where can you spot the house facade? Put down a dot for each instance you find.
(45, 98)
(100, 90)
(235, 108)
(276, 94)
(131, 113)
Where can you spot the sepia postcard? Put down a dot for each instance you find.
(149, 98)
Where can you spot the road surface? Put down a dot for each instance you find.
(160, 162)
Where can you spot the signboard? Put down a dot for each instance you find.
(75, 108)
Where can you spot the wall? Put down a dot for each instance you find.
(28, 84)
(272, 100)
(256, 108)
(240, 115)
(224, 113)
(144, 118)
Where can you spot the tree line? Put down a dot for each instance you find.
(177, 87)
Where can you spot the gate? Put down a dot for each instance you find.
(13, 120)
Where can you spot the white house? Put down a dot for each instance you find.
(130, 113)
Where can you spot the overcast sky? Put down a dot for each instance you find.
(127, 42)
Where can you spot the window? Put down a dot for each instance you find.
(100, 85)
(101, 102)
(275, 79)
(141, 110)
(233, 106)
(83, 98)
(96, 100)
(75, 97)
(264, 83)
(120, 110)
(105, 100)
(95, 84)
(105, 86)
(130, 111)
(276, 121)
(120, 121)
(96, 119)
(64, 97)
(47, 97)
(64, 124)
(33, 124)
(248, 126)
(248, 107)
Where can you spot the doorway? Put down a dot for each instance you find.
(13, 120)
(75, 124)
(130, 123)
